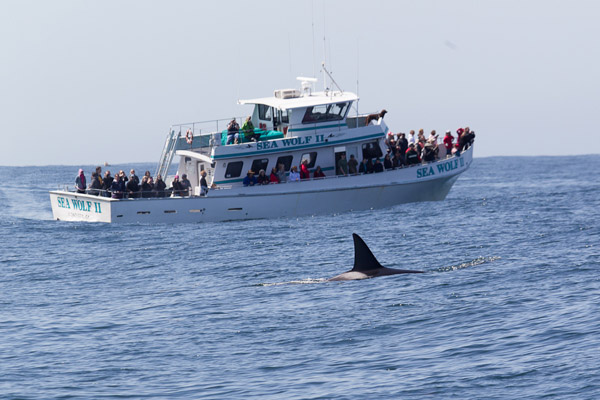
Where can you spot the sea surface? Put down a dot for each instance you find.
(509, 306)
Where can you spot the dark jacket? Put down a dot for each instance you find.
(159, 188)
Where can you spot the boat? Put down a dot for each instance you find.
(291, 126)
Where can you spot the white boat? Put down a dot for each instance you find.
(293, 125)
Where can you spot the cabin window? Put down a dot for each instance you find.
(259, 164)
(286, 161)
(371, 150)
(311, 157)
(284, 118)
(325, 112)
(234, 169)
(264, 112)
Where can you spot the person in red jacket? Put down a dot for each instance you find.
(304, 172)
(448, 139)
(318, 173)
(273, 178)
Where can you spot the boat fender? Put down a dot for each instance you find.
(189, 138)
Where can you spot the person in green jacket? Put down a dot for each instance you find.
(248, 129)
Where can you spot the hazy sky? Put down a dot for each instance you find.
(83, 82)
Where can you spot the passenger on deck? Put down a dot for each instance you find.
(397, 160)
(294, 175)
(160, 186)
(411, 138)
(378, 167)
(146, 188)
(106, 183)
(248, 129)
(362, 168)
(95, 186)
(233, 130)
(273, 178)
(429, 152)
(412, 157)
(387, 162)
(117, 187)
(99, 172)
(370, 166)
(133, 187)
(342, 165)
(250, 179)
(262, 178)
(466, 140)
(319, 172)
(186, 185)
(402, 143)
(281, 173)
(203, 184)
(133, 176)
(352, 165)
(304, 172)
(176, 187)
(421, 136)
(448, 139)
(80, 182)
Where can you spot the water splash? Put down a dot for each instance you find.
(472, 263)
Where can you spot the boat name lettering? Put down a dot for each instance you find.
(441, 167)
(80, 205)
(298, 141)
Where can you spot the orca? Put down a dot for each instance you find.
(366, 265)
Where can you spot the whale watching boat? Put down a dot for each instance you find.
(291, 126)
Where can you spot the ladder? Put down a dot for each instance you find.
(168, 153)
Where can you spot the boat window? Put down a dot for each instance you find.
(311, 157)
(259, 164)
(325, 112)
(264, 112)
(234, 169)
(284, 117)
(286, 161)
(371, 150)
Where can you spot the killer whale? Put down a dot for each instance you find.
(366, 265)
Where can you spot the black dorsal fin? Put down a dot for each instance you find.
(364, 260)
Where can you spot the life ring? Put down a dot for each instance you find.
(189, 138)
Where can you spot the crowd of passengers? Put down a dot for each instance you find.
(401, 152)
(120, 186)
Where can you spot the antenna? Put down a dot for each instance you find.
(331, 77)
(324, 53)
(313, 39)
(357, 74)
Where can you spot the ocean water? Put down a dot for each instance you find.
(508, 306)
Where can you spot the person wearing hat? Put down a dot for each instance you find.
(294, 175)
(412, 157)
(448, 139)
(176, 186)
(250, 179)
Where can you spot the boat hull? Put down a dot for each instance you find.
(426, 182)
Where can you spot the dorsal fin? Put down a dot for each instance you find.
(364, 260)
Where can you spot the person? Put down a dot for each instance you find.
(402, 145)
(133, 176)
(362, 169)
(294, 175)
(233, 132)
(99, 173)
(186, 185)
(248, 129)
(412, 157)
(250, 179)
(387, 162)
(342, 165)
(369, 166)
(117, 186)
(304, 172)
(95, 185)
(262, 178)
(421, 136)
(133, 187)
(397, 160)
(80, 182)
(466, 140)
(352, 165)
(175, 187)
(411, 137)
(106, 184)
(429, 152)
(318, 173)
(281, 173)
(378, 167)
(160, 186)
(203, 184)
(273, 178)
(146, 187)
(448, 139)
